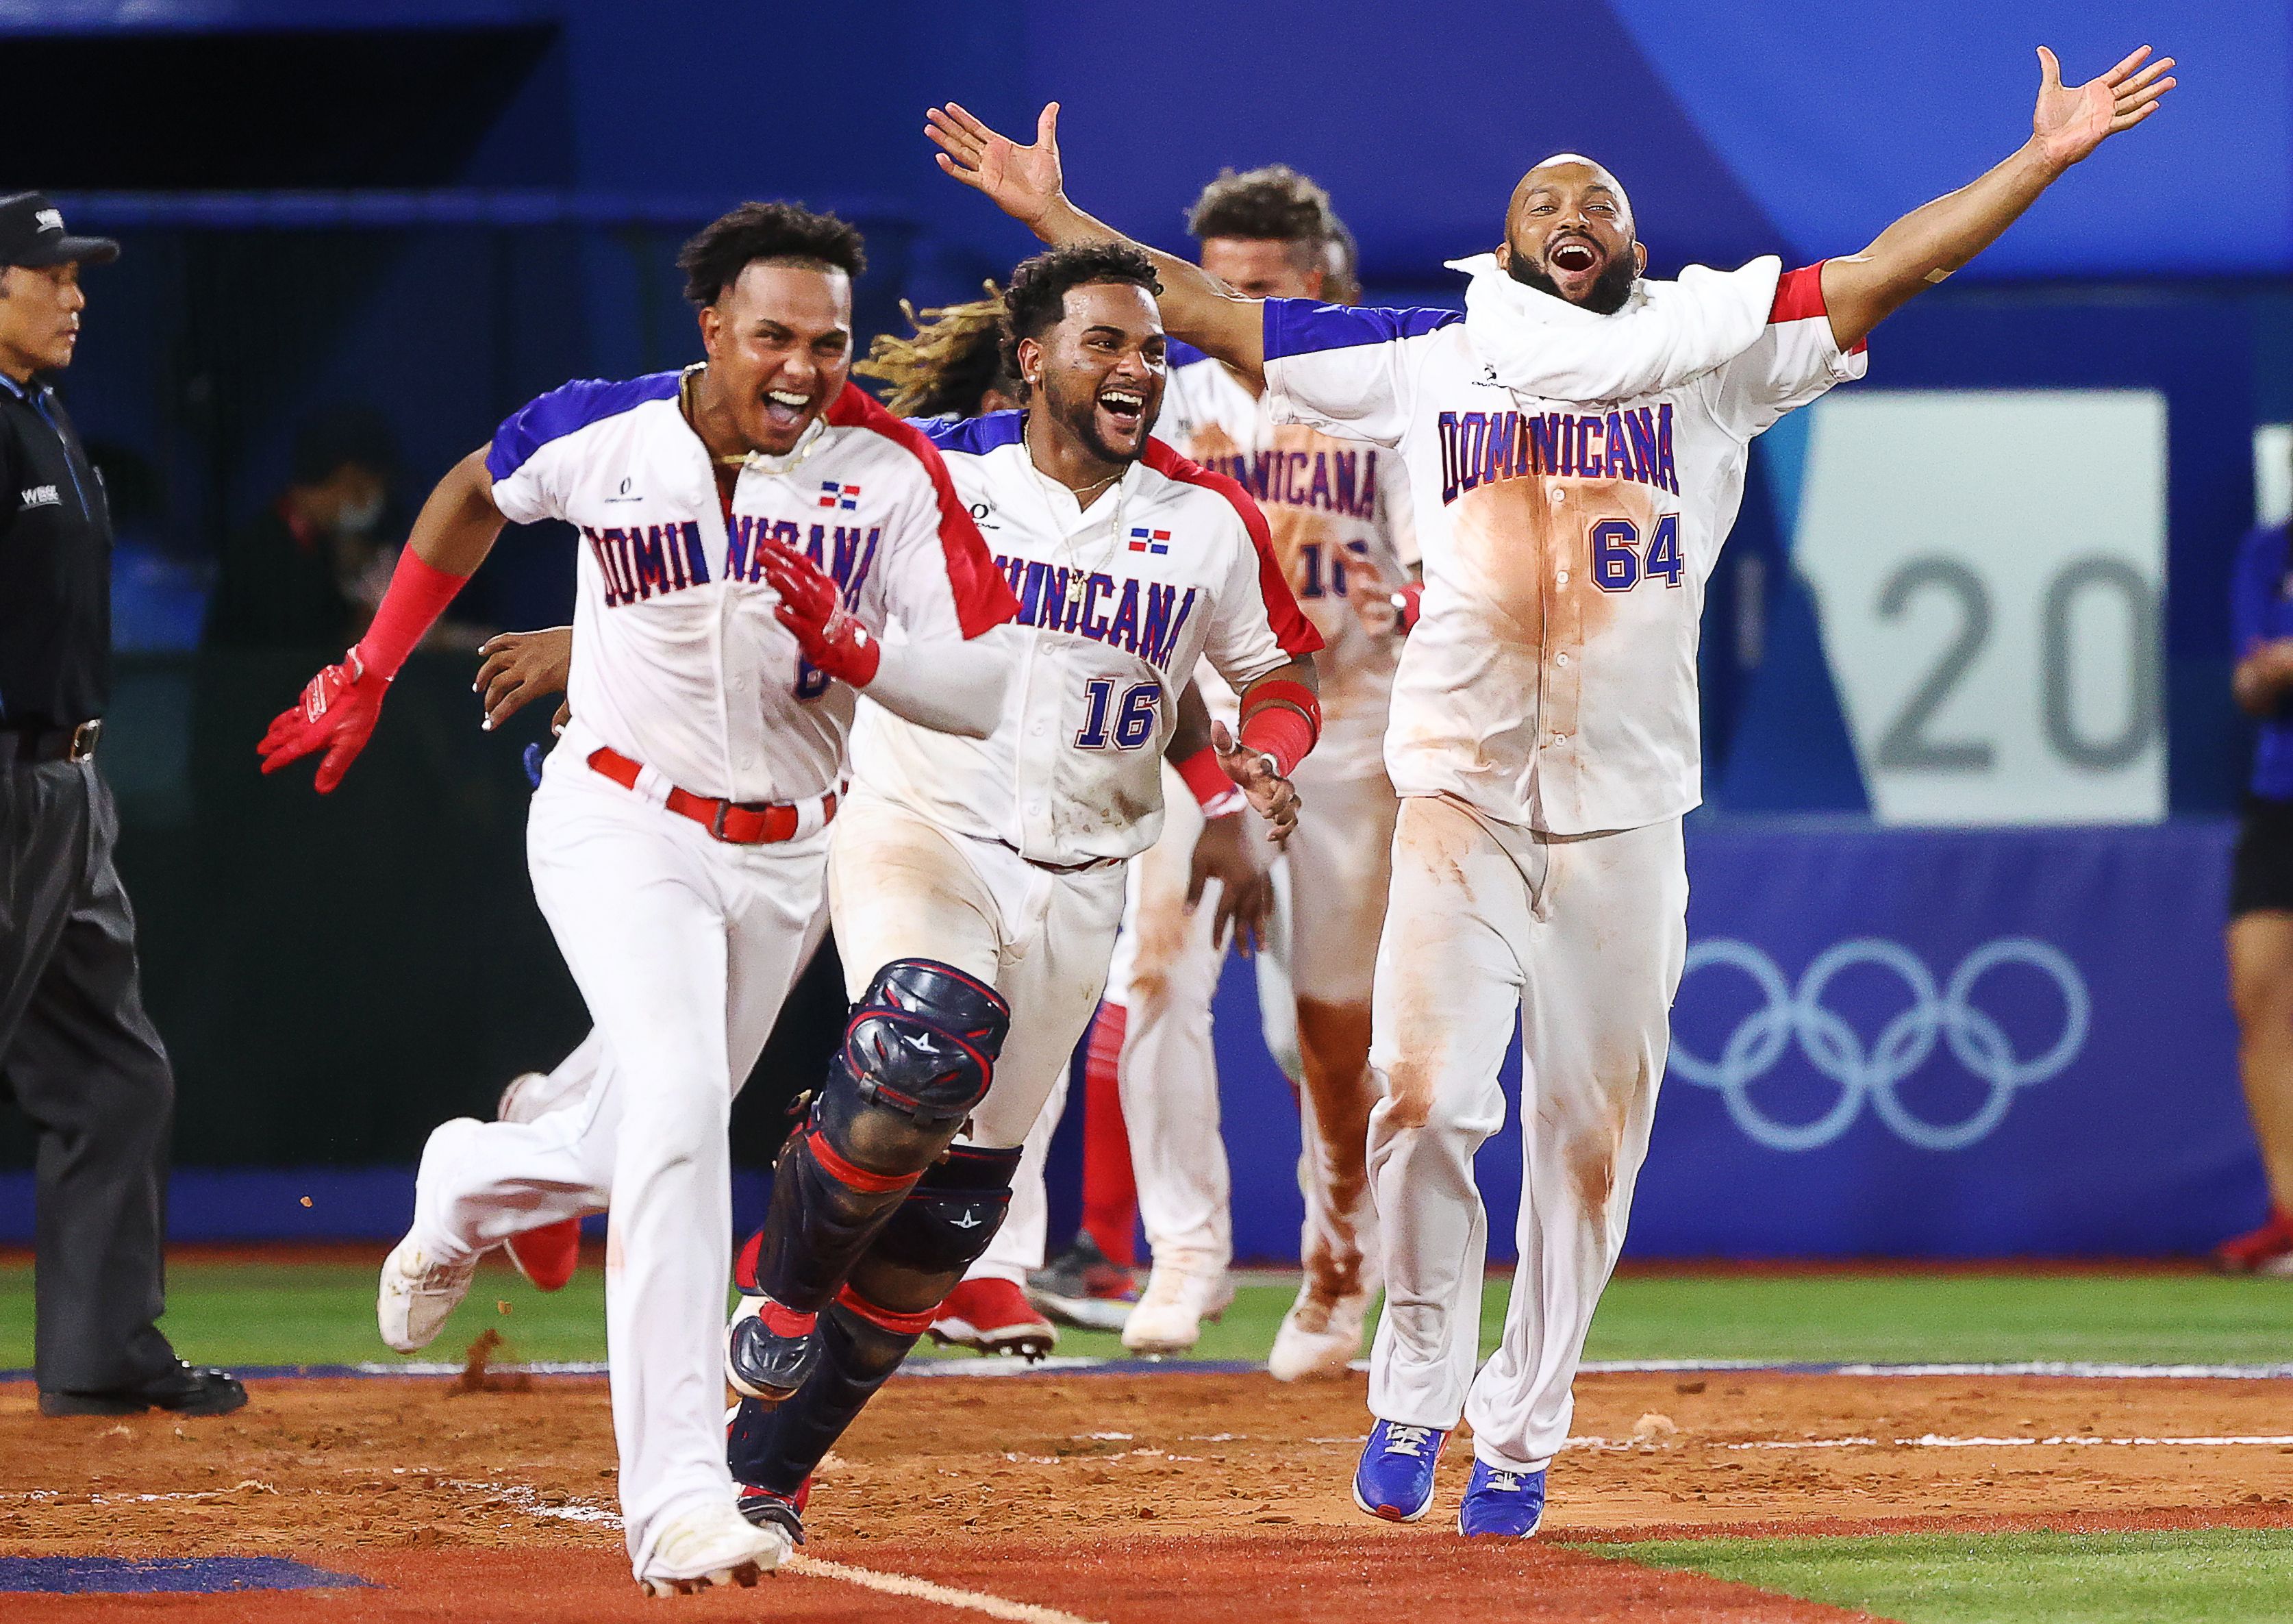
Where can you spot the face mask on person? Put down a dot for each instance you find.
(356, 518)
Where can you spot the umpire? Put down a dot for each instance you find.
(77, 1053)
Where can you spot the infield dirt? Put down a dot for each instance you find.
(1117, 1498)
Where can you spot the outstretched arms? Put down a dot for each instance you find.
(1926, 245)
(1025, 183)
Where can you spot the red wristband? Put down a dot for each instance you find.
(419, 592)
(1216, 793)
(1407, 606)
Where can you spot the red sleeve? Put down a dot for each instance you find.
(1799, 295)
(982, 598)
(1292, 630)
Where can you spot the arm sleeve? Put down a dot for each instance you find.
(941, 582)
(955, 688)
(524, 456)
(1792, 363)
(1347, 368)
(1256, 624)
(1396, 512)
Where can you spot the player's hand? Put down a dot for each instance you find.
(2072, 121)
(1225, 852)
(519, 667)
(1271, 796)
(1384, 609)
(1023, 182)
(812, 608)
(337, 712)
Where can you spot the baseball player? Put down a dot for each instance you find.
(1339, 513)
(749, 527)
(1576, 445)
(986, 878)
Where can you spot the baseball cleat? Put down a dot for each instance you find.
(1395, 1478)
(711, 1543)
(993, 1315)
(547, 1256)
(2268, 1250)
(1319, 1336)
(1178, 1299)
(1081, 1287)
(770, 1508)
(1501, 1503)
(768, 1350)
(417, 1293)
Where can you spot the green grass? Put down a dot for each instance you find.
(2211, 1576)
(323, 1313)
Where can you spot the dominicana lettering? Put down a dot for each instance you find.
(645, 561)
(1139, 617)
(1479, 448)
(1332, 481)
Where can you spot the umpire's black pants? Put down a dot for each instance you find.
(82, 1061)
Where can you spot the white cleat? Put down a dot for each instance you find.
(1180, 1296)
(712, 1543)
(1318, 1338)
(417, 1294)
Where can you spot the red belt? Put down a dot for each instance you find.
(730, 821)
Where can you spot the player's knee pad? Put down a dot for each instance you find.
(918, 1055)
(940, 1231)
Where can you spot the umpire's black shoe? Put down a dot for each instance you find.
(187, 1390)
(769, 1350)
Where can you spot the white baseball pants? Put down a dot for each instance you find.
(900, 887)
(1585, 936)
(684, 948)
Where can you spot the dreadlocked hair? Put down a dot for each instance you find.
(954, 357)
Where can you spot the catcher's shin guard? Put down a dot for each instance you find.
(940, 1231)
(918, 1053)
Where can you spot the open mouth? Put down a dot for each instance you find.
(1125, 408)
(785, 408)
(1572, 255)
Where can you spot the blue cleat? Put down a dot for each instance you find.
(1501, 1503)
(1395, 1479)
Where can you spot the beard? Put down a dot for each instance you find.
(1080, 418)
(1607, 295)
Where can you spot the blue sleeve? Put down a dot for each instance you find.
(2261, 562)
(1299, 327)
(565, 408)
(972, 436)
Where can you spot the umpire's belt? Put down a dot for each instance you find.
(735, 823)
(29, 744)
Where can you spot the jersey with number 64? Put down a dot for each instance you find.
(1550, 680)
(1117, 602)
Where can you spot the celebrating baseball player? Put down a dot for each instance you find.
(983, 879)
(750, 527)
(1575, 444)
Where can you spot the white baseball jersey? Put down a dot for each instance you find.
(1338, 511)
(1171, 565)
(1551, 680)
(678, 662)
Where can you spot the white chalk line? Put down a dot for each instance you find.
(925, 1590)
(521, 1498)
(1935, 1440)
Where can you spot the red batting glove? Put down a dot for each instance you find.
(830, 636)
(337, 711)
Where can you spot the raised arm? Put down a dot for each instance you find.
(1926, 245)
(1025, 183)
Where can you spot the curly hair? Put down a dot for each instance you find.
(1276, 204)
(954, 359)
(1037, 298)
(713, 257)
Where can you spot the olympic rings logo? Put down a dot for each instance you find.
(1832, 1046)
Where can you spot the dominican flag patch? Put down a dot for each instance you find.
(1144, 540)
(833, 495)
